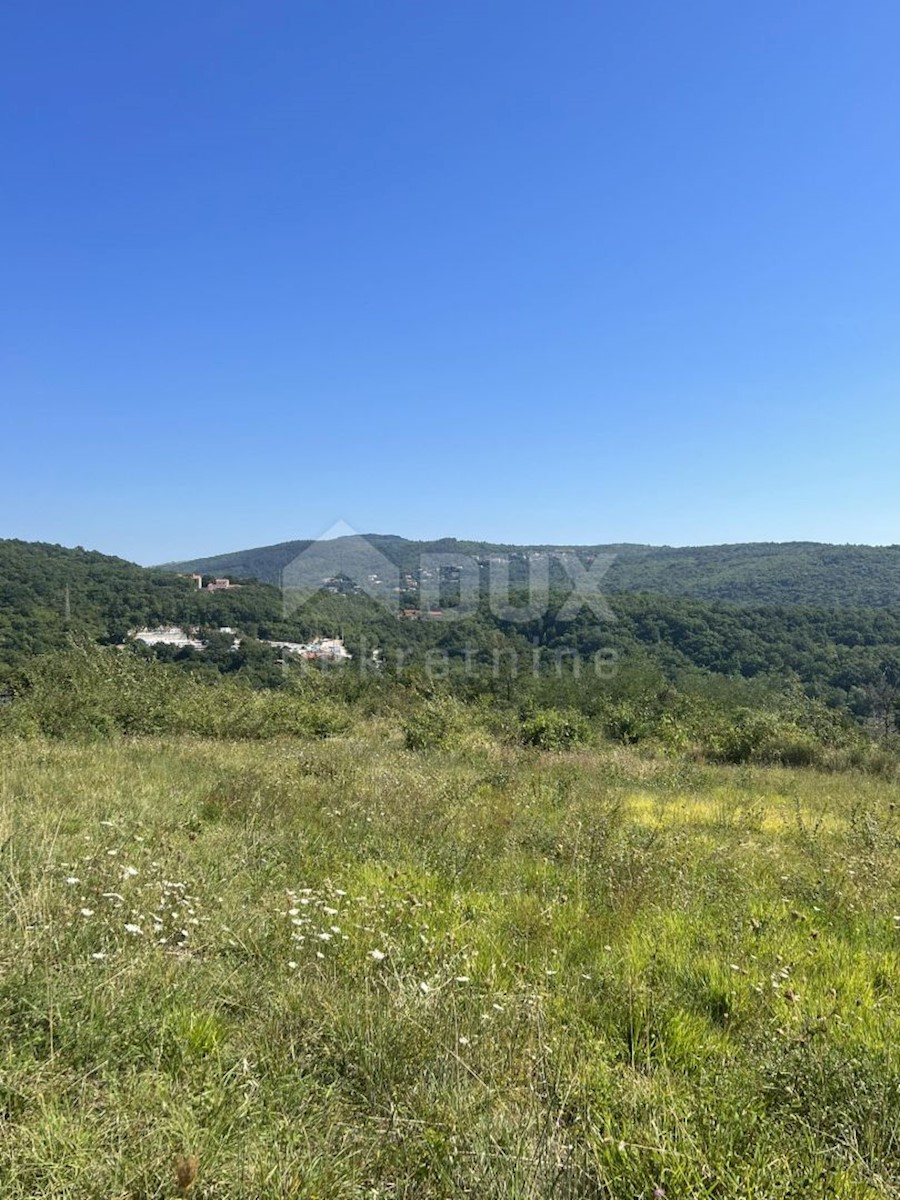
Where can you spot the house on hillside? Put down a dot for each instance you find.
(167, 635)
(329, 649)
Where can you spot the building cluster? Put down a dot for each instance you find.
(214, 585)
(168, 635)
(326, 649)
(332, 649)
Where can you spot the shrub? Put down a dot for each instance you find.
(95, 692)
(555, 729)
(762, 737)
(90, 692)
(435, 724)
(629, 720)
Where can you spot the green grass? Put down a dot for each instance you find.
(365, 971)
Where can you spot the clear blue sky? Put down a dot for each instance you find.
(570, 272)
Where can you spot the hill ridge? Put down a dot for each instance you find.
(819, 574)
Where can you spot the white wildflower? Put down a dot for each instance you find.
(87, 912)
(378, 955)
(133, 929)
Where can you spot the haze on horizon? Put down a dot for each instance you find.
(512, 273)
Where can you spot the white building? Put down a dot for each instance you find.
(167, 635)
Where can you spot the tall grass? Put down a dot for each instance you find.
(345, 968)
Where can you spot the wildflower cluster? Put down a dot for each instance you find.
(118, 896)
(314, 919)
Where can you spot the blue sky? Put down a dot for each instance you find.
(576, 272)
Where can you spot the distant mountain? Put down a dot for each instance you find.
(842, 649)
(265, 563)
(786, 573)
(48, 592)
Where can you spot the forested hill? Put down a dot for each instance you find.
(45, 589)
(48, 593)
(785, 573)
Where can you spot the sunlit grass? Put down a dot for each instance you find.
(343, 969)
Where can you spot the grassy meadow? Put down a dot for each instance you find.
(342, 969)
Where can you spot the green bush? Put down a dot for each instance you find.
(631, 720)
(90, 691)
(762, 737)
(435, 724)
(555, 729)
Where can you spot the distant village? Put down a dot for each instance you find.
(323, 648)
(329, 649)
(214, 585)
